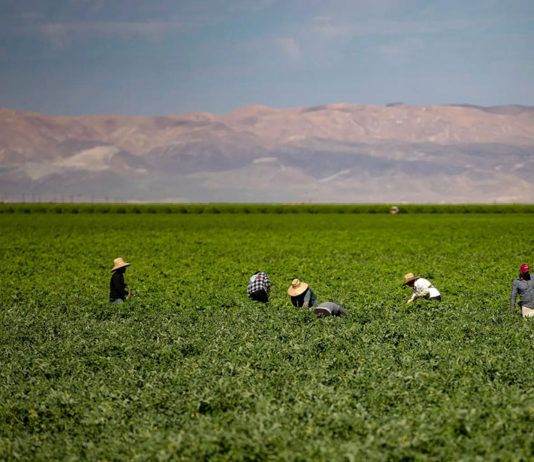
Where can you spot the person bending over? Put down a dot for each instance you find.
(330, 309)
(301, 294)
(422, 288)
(259, 287)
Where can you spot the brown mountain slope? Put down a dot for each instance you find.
(335, 152)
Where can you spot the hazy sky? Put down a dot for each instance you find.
(151, 57)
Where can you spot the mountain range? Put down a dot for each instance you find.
(331, 153)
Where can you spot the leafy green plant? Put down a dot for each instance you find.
(190, 369)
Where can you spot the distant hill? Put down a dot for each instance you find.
(329, 153)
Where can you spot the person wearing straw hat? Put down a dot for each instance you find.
(524, 287)
(422, 288)
(117, 287)
(301, 294)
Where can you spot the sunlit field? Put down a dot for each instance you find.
(190, 369)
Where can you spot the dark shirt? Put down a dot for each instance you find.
(260, 296)
(117, 287)
(306, 299)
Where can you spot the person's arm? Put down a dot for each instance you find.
(413, 297)
(513, 297)
(418, 292)
(126, 290)
(307, 299)
(313, 299)
(338, 310)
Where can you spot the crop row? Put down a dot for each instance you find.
(264, 208)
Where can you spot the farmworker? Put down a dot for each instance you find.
(422, 288)
(524, 287)
(117, 287)
(330, 309)
(259, 287)
(301, 294)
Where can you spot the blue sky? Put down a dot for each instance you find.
(160, 56)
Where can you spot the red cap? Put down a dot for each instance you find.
(525, 268)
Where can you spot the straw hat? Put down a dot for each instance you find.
(409, 278)
(297, 287)
(119, 263)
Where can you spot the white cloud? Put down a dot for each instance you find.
(289, 47)
(332, 29)
(61, 34)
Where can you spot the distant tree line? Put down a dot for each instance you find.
(262, 208)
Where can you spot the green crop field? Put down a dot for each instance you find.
(190, 369)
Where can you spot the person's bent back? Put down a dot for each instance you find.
(301, 294)
(330, 309)
(259, 287)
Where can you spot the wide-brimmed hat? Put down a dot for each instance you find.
(409, 278)
(119, 263)
(296, 288)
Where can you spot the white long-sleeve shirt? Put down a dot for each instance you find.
(423, 287)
